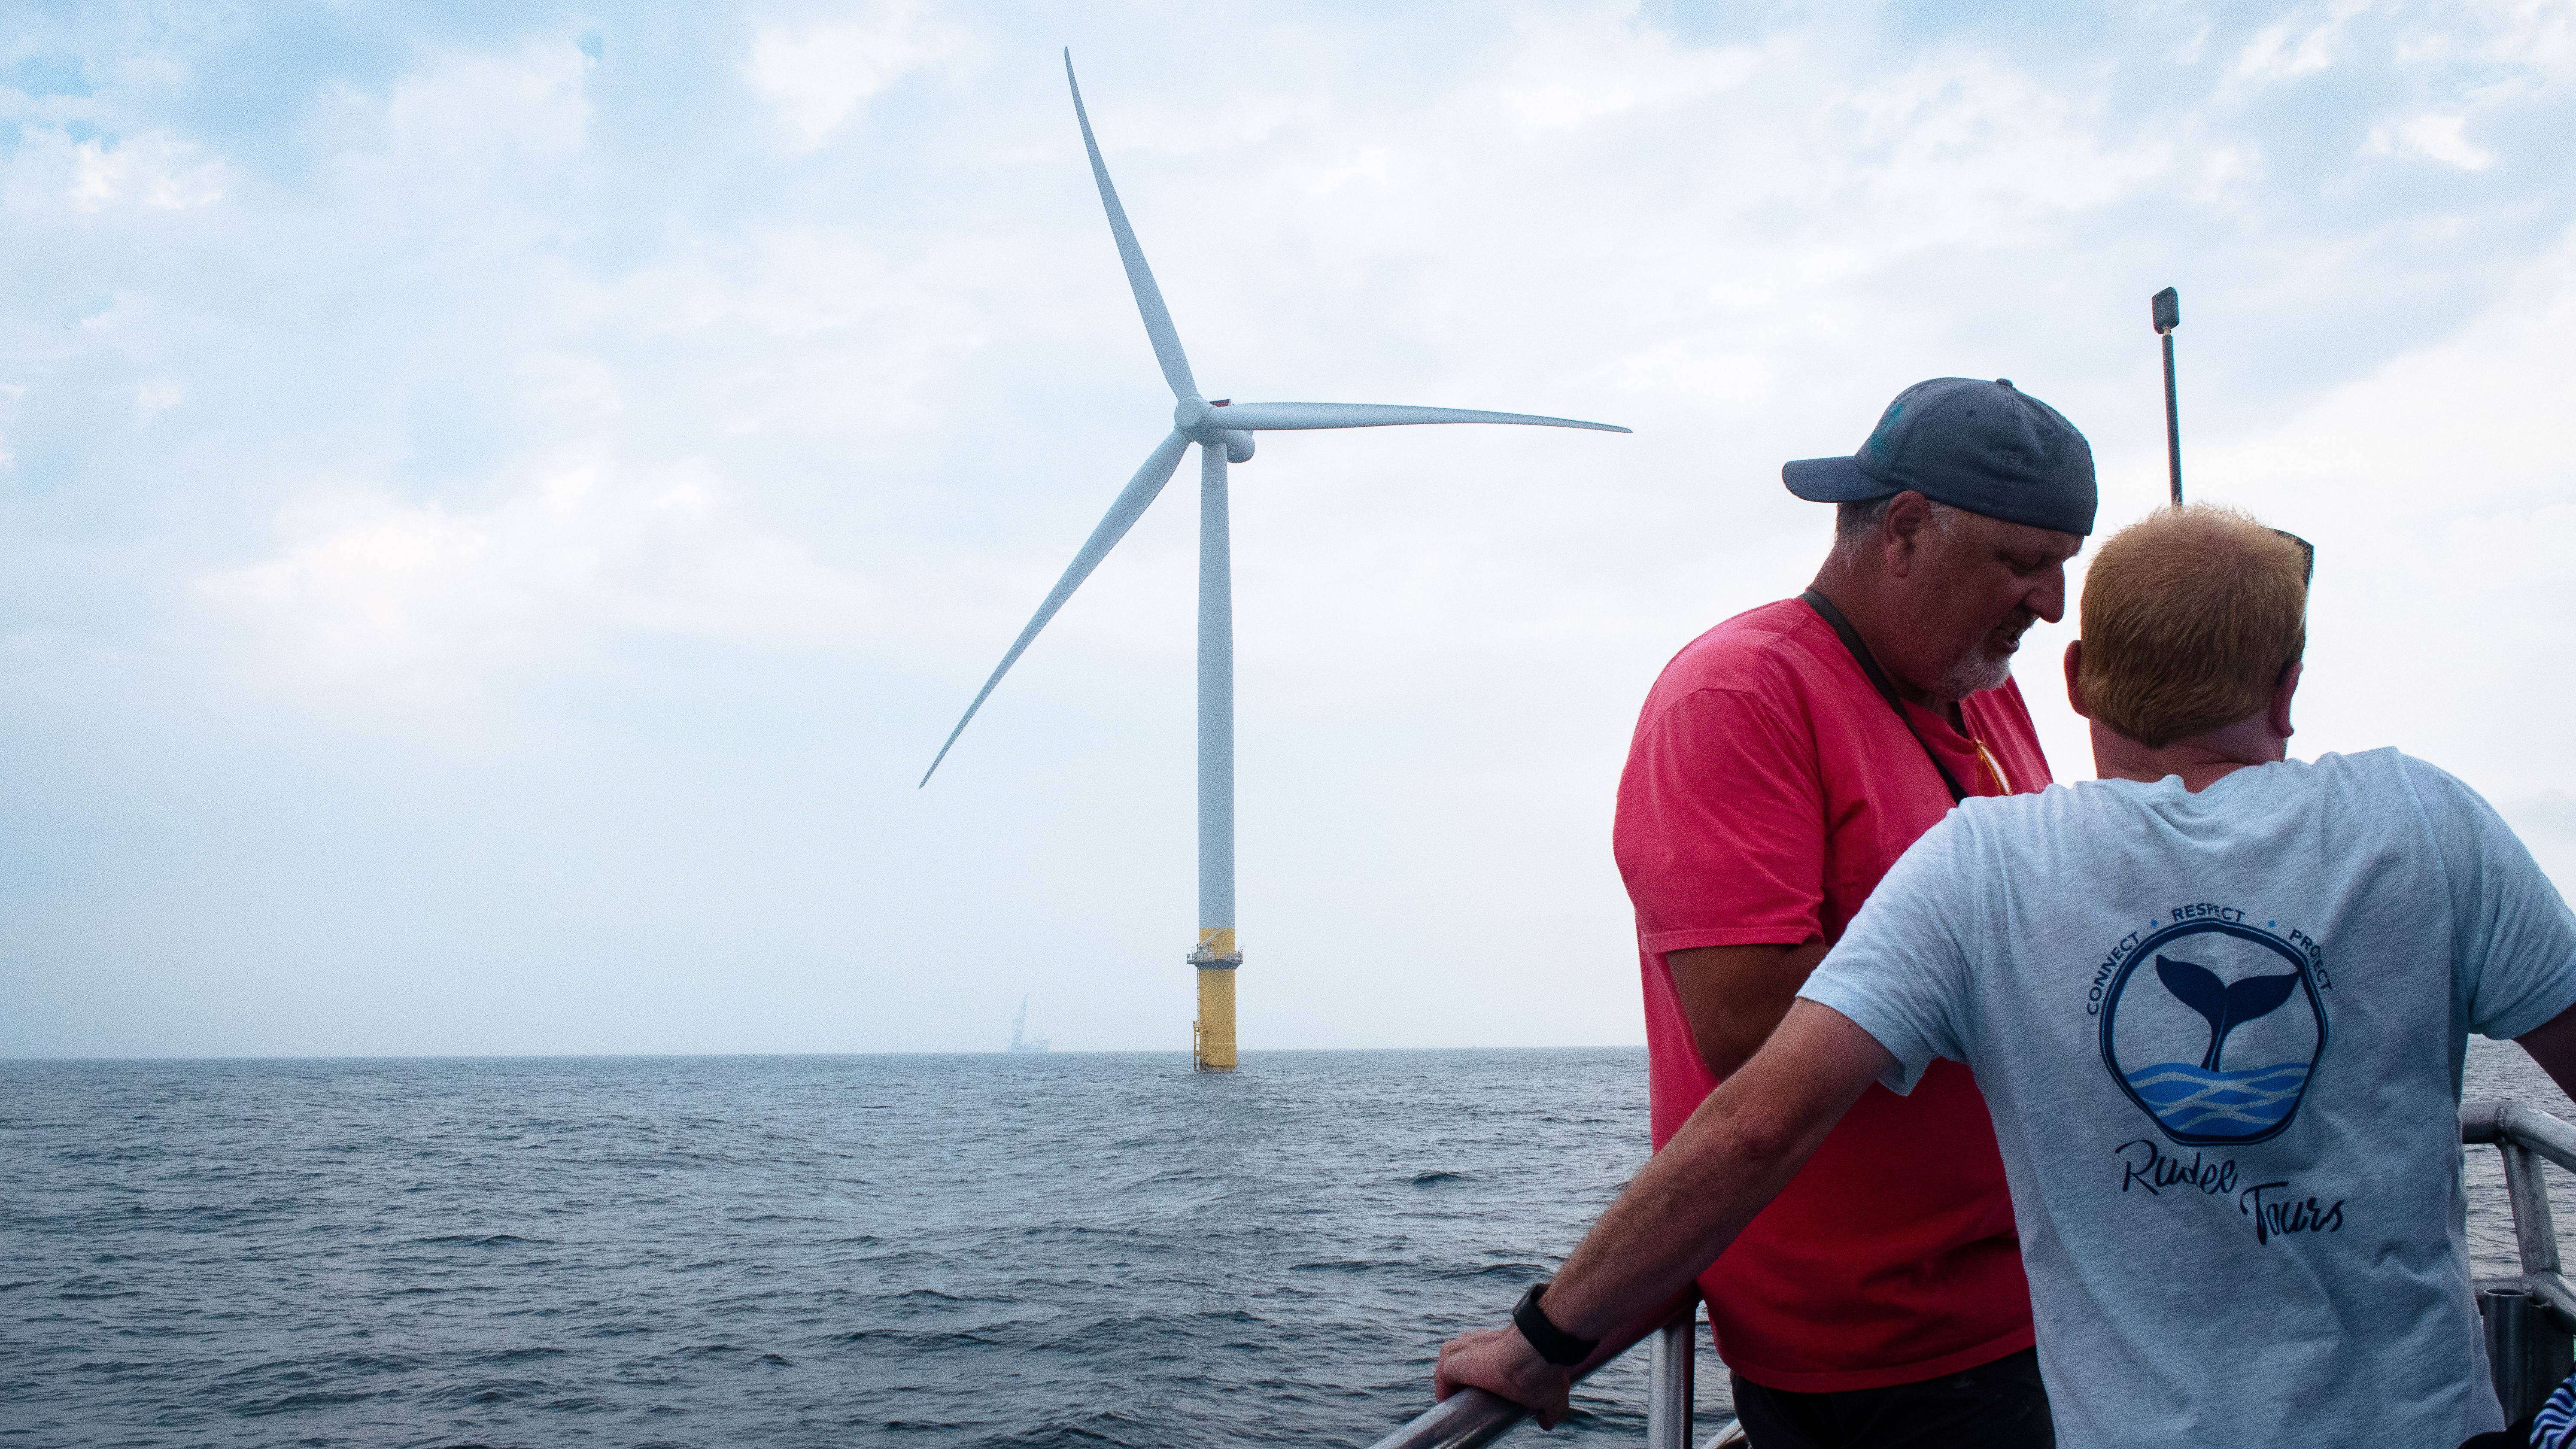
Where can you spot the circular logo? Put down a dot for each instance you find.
(2214, 1029)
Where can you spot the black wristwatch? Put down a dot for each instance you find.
(1553, 1343)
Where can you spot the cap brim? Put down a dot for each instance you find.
(1832, 480)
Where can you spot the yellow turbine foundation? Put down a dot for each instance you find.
(1212, 1036)
(1216, 1021)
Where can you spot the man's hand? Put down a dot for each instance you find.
(1499, 1360)
(1681, 1210)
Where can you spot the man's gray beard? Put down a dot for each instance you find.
(1973, 674)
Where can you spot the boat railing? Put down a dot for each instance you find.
(2529, 1317)
(1473, 1418)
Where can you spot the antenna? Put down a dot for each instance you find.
(2167, 310)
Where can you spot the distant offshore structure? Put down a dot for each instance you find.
(1223, 431)
(1020, 1041)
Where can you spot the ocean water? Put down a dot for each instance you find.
(1021, 1250)
(1080, 1250)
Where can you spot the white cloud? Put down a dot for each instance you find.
(2226, 168)
(2535, 34)
(815, 74)
(1573, 69)
(521, 387)
(2298, 46)
(153, 397)
(2437, 137)
(494, 108)
(2434, 488)
(1965, 147)
(156, 170)
(469, 139)
(2475, 421)
(420, 601)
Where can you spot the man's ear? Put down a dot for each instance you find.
(1907, 513)
(2278, 715)
(2074, 672)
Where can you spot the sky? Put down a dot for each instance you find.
(500, 503)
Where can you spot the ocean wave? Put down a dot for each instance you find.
(989, 1268)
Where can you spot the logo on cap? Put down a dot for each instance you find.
(1879, 442)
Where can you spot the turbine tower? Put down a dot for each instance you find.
(1223, 431)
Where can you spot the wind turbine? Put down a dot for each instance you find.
(1223, 431)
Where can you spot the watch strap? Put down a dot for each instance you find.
(1553, 1343)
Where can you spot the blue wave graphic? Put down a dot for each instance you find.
(2190, 1098)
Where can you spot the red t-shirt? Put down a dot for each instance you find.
(1768, 789)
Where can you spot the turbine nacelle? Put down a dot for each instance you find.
(1198, 420)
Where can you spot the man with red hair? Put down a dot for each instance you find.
(2218, 1003)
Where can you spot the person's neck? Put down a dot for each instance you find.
(1869, 604)
(2202, 760)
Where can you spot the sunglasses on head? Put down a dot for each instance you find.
(2307, 551)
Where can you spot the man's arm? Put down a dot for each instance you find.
(2553, 1045)
(1729, 1160)
(1735, 996)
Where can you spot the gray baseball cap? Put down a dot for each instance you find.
(1983, 446)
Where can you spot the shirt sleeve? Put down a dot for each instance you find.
(1721, 827)
(2514, 943)
(1900, 972)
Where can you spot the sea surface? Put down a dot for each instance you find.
(1032, 1250)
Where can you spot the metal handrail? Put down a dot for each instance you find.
(2523, 1135)
(2529, 1316)
(2526, 1126)
(1467, 1419)
(1668, 1383)
(1473, 1418)
(2528, 1346)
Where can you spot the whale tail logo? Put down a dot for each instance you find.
(2226, 1007)
(2168, 1046)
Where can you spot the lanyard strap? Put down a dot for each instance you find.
(1825, 609)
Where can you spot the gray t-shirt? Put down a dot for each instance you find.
(2221, 1036)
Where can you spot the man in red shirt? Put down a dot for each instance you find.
(1783, 761)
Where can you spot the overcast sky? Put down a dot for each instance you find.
(500, 503)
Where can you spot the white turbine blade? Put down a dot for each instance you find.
(1149, 298)
(1122, 515)
(1278, 416)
